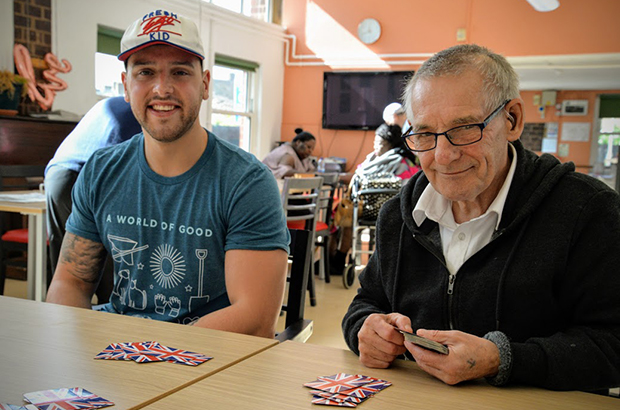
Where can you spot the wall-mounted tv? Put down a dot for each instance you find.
(355, 100)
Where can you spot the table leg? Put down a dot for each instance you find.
(31, 259)
(41, 257)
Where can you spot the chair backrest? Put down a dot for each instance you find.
(20, 177)
(326, 196)
(296, 327)
(300, 198)
(300, 252)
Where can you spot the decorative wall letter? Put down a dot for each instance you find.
(25, 69)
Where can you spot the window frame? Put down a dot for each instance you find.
(251, 69)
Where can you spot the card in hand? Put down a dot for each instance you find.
(424, 342)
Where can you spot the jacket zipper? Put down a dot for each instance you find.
(451, 280)
(451, 277)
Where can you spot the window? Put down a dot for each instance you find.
(108, 68)
(258, 9)
(607, 139)
(232, 105)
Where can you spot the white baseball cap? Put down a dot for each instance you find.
(391, 110)
(162, 27)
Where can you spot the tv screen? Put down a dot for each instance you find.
(355, 100)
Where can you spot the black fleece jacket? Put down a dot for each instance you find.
(549, 279)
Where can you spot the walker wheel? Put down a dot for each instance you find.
(348, 275)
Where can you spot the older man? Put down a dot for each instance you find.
(194, 224)
(507, 258)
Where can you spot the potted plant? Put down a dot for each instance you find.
(12, 89)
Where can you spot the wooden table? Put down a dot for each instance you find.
(37, 241)
(273, 379)
(46, 346)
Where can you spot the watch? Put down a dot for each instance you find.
(369, 31)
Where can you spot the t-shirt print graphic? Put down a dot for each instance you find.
(195, 302)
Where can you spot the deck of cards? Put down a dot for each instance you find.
(148, 352)
(344, 390)
(424, 342)
(73, 398)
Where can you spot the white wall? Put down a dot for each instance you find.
(74, 34)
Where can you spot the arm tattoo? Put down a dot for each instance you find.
(471, 363)
(83, 258)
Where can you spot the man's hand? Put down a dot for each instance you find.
(379, 342)
(470, 357)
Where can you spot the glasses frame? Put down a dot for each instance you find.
(482, 125)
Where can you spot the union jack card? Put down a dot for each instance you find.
(74, 398)
(336, 396)
(344, 390)
(338, 382)
(330, 402)
(147, 352)
(178, 355)
(6, 406)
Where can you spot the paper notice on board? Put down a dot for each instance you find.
(576, 131)
(549, 145)
(551, 130)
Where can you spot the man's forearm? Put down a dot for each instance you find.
(235, 319)
(63, 292)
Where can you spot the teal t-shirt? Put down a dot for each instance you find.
(168, 236)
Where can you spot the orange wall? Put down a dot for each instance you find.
(510, 27)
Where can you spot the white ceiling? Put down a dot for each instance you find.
(569, 72)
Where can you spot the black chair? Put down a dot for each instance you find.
(323, 224)
(295, 326)
(300, 199)
(15, 241)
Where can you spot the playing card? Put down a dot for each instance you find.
(329, 402)
(66, 399)
(178, 355)
(336, 396)
(337, 382)
(424, 342)
(377, 384)
(362, 392)
(113, 352)
(142, 352)
(6, 406)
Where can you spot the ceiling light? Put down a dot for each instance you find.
(544, 5)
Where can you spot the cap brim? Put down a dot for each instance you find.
(125, 55)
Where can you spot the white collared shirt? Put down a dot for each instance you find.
(461, 241)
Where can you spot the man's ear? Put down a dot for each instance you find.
(206, 77)
(515, 118)
(124, 80)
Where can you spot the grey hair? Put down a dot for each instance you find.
(500, 81)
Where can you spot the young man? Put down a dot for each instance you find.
(194, 224)
(507, 258)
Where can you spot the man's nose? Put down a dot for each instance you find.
(445, 152)
(163, 85)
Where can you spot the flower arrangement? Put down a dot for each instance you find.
(9, 81)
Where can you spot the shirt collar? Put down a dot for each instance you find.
(434, 206)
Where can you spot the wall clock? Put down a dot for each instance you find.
(369, 31)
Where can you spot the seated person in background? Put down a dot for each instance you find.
(107, 123)
(193, 223)
(389, 156)
(294, 157)
(394, 113)
(507, 258)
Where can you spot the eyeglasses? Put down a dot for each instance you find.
(457, 136)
